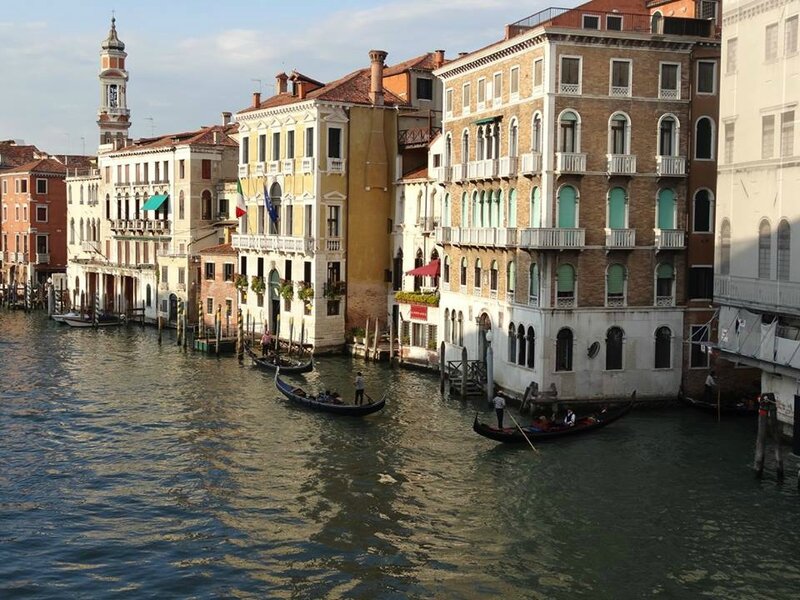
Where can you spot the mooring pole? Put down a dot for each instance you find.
(240, 337)
(775, 427)
(761, 437)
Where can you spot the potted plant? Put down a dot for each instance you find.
(286, 289)
(240, 282)
(305, 291)
(258, 285)
(334, 290)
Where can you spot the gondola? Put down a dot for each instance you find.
(287, 365)
(67, 315)
(87, 321)
(299, 396)
(740, 409)
(512, 435)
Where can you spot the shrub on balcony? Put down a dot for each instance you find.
(431, 299)
(286, 289)
(258, 285)
(305, 291)
(240, 282)
(334, 290)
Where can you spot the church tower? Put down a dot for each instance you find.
(113, 116)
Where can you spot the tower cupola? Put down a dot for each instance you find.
(113, 116)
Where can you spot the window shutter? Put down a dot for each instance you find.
(616, 279)
(566, 278)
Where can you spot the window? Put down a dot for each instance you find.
(767, 136)
(617, 208)
(333, 307)
(182, 207)
(731, 56)
(511, 278)
(663, 349)
(521, 345)
(665, 284)
(771, 42)
(245, 152)
(446, 269)
(538, 73)
(209, 270)
(708, 9)
(701, 283)
(476, 283)
(334, 142)
(533, 285)
(666, 208)
(725, 248)
(493, 276)
(698, 358)
(620, 78)
(481, 92)
(514, 81)
(618, 134)
(613, 22)
(531, 339)
(448, 101)
(784, 250)
(334, 220)
(5, 189)
(182, 275)
(41, 186)
(564, 350)
(703, 217)
(290, 144)
(704, 143)
(227, 272)
(566, 286)
(669, 79)
(464, 158)
(463, 272)
(209, 305)
(205, 170)
(764, 250)
(615, 286)
(309, 147)
(730, 130)
(23, 186)
(512, 343)
(41, 214)
(424, 88)
(567, 207)
(614, 339)
(276, 145)
(568, 132)
(181, 169)
(164, 272)
(591, 22)
(570, 75)
(787, 133)
(706, 77)
(511, 220)
(513, 138)
(465, 97)
(536, 138)
(790, 35)
(497, 87)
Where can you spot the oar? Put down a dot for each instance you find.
(527, 439)
(371, 401)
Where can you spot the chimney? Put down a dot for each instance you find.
(280, 83)
(226, 119)
(216, 137)
(438, 58)
(256, 99)
(300, 86)
(376, 59)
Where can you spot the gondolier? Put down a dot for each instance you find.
(499, 407)
(359, 389)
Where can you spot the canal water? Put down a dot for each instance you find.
(136, 470)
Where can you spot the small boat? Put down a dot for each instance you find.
(104, 320)
(513, 435)
(299, 396)
(740, 409)
(60, 318)
(286, 364)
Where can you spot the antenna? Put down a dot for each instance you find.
(152, 125)
(83, 146)
(259, 84)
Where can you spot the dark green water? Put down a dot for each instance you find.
(133, 470)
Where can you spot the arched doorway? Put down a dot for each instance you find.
(274, 300)
(484, 327)
(173, 309)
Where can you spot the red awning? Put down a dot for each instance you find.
(429, 270)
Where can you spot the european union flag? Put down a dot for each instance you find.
(271, 208)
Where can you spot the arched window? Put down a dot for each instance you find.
(446, 217)
(764, 250)
(81, 194)
(275, 194)
(486, 208)
(480, 146)
(72, 231)
(495, 219)
(531, 347)
(476, 209)
(511, 278)
(564, 350)
(619, 134)
(512, 208)
(668, 136)
(448, 150)
(477, 275)
(566, 286)
(493, 276)
(127, 206)
(617, 208)
(521, 346)
(567, 207)
(136, 204)
(568, 137)
(419, 260)
(446, 270)
(725, 248)
(464, 217)
(69, 194)
(108, 206)
(784, 250)
(615, 285)
(536, 138)
(666, 209)
(82, 232)
(182, 206)
(513, 139)
(465, 147)
(656, 23)
(704, 139)
(463, 279)
(663, 351)
(148, 295)
(533, 286)
(665, 284)
(512, 343)
(447, 324)
(703, 211)
(614, 338)
(453, 327)
(536, 207)
(460, 328)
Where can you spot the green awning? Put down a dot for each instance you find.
(487, 120)
(155, 202)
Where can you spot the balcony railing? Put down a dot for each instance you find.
(765, 294)
(665, 301)
(556, 238)
(287, 166)
(621, 164)
(42, 258)
(570, 162)
(333, 245)
(90, 246)
(442, 174)
(490, 237)
(244, 170)
(671, 166)
(273, 243)
(666, 94)
(565, 302)
(569, 88)
(307, 165)
(508, 166)
(260, 169)
(620, 91)
(273, 167)
(428, 223)
(418, 137)
(669, 239)
(531, 163)
(4, 256)
(336, 165)
(620, 238)
(459, 172)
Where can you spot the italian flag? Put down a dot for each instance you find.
(240, 209)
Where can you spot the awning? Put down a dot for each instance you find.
(155, 202)
(429, 270)
(487, 120)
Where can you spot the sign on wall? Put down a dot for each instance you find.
(419, 312)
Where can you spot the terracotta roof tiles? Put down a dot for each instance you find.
(41, 165)
(220, 249)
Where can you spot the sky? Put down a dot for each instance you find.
(189, 60)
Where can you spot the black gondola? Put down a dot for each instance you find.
(740, 409)
(299, 396)
(287, 365)
(512, 435)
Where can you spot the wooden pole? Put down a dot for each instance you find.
(527, 439)
(366, 340)
(375, 341)
(291, 332)
(178, 324)
(200, 322)
(442, 367)
(391, 341)
(159, 330)
(761, 439)
(719, 405)
(775, 427)
(277, 333)
(218, 321)
(240, 337)
(464, 372)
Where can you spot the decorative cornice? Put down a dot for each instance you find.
(753, 9)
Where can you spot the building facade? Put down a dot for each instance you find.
(567, 149)
(757, 283)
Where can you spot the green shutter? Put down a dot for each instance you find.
(566, 206)
(566, 278)
(616, 208)
(666, 209)
(536, 208)
(512, 276)
(616, 279)
(512, 208)
(664, 271)
(534, 282)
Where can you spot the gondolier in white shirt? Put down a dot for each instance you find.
(499, 406)
(359, 389)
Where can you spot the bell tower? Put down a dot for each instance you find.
(113, 116)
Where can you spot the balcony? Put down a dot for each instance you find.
(260, 169)
(531, 163)
(273, 167)
(758, 294)
(488, 237)
(620, 239)
(570, 162)
(418, 137)
(669, 239)
(244, 170)
(287, 166)
(671, 166)
(428, 224)
(621, 164)
(508, 167)
(459, 171)
(569, 88)
(441, 174)
(333, 245)
(620, 91)
(665, 301)
(668, 94)
(4, 256)
(21, 257)
(482, 169)
(552, 238)
(90, 246)
(336, 165)
(565, 302)
(273, 243)
(42, 258)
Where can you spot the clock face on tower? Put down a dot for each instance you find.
(112, 96)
